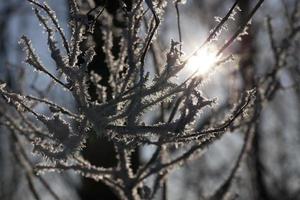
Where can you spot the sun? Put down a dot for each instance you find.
(203, 61)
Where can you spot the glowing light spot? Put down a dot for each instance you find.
(203, 61)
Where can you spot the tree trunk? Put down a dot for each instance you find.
(99, 150)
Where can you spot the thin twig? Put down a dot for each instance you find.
(178, 26)
(216, 29)
(241, 28)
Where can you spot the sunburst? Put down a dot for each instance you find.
(203, 61)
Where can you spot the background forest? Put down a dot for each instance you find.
(149, 99)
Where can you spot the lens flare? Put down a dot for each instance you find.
(203, 61)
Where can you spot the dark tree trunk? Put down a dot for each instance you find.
(100, 151)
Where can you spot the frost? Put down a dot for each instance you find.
(118, 108)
